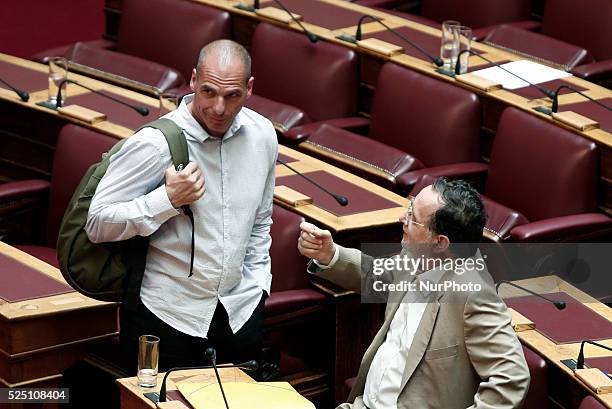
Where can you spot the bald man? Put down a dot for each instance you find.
(229, 185)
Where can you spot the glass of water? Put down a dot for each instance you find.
(148, 361)
(464, 39)
(449, 44)
(58, 72)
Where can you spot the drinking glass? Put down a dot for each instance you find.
(448, 47)
(58, 72)
(148, 360)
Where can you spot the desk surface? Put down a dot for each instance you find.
(551, 351)
(132, 396)
(45, 335)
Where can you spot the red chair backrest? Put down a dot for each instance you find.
(288, 265)
(540, 169)
(321, 78)
(170, 32)
(76, 150)
(435, 122)
(476, 13)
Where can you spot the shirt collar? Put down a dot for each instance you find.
(193, 127)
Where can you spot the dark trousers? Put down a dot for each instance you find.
(177, 349)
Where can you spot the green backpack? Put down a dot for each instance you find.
(110, 271)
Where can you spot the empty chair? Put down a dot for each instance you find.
(541, 184)
(158, 41)
(77, 149)
(563, 28)
(298, 82)
(416, 123)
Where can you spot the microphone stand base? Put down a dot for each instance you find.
(347, 38)
(152, 396)
(47, 104)
(446, 72)
(543, 110)
(570, 363)
(245, 7)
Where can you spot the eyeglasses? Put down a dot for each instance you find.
(408, 217)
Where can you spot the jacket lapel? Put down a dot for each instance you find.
(420, 341)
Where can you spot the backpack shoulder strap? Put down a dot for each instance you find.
(175, 139)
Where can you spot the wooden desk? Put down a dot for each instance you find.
(132, 396)
(565, 388)
(43, 336)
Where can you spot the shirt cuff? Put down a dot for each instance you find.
(159, 204)
(332, 262)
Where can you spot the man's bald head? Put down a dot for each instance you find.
(225, 53)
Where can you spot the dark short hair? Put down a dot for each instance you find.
(462, 215)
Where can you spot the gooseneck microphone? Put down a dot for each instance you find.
(559, 304)
(212, 355)
(437, 61)
(22, 94)
(247, 366)
(580, 359)
(312, 37)
(342, 200)
(141, 110)
(549, 93)
(555, 104)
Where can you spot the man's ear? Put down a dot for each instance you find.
(442, 244)
(192, 82)
(250, 86)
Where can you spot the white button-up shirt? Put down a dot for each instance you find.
(232, 219)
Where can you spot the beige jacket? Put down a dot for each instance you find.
(464, 354)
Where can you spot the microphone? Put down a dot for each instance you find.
(312, 37)
(22, 94)
(549, 93)
(580, 360)
(212, 355)
(435, 60)
(559, 304)
(555, 103)
(141, 110)
(247, 366)
(342, 200)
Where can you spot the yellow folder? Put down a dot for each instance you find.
(244, 395)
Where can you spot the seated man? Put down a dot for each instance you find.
(440, 346)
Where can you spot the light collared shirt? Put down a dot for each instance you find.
(232, 219)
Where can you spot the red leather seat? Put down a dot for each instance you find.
(291, 291)
(537, 395)
(157, 38)
(77, 149)
(590, 402)
(417, 123)
(320, 84)
(480, 15)
(563, 29)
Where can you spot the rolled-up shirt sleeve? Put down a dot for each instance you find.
(131, 199)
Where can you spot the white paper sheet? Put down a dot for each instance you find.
(529, 70)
